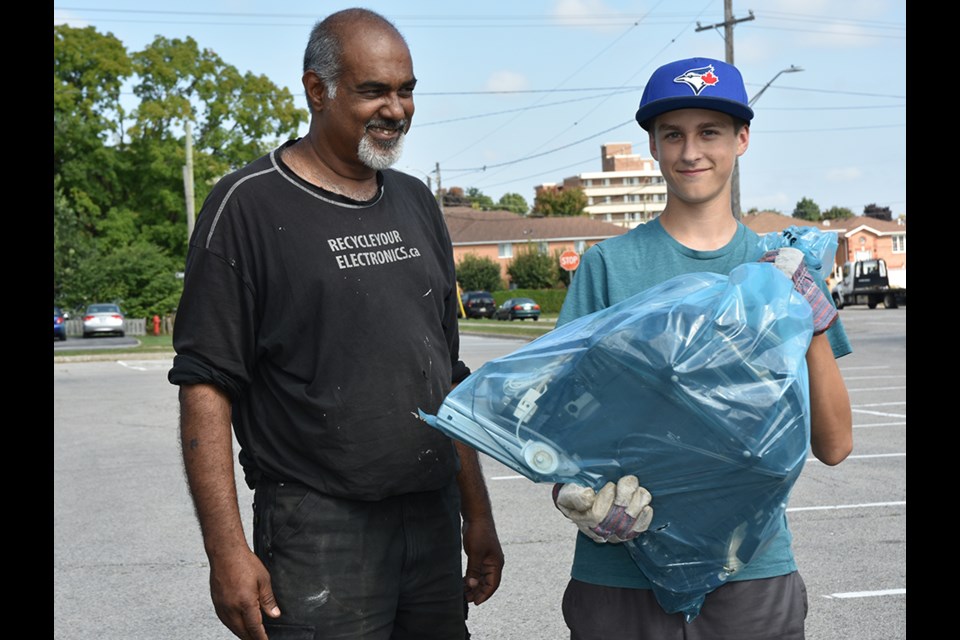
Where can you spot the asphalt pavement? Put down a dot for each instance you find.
(129, 562)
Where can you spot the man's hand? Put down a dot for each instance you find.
(484, 560)
(790, 262)
(240, 587)
(619, 512)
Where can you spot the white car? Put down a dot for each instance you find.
(103, 318)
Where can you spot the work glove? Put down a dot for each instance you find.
(790, 261)
(618, 512)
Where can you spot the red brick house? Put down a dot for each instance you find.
(501, 235)
(858, 238)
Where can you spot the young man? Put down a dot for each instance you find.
(697, 117)
(281, 332)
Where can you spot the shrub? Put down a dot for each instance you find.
(478, 274)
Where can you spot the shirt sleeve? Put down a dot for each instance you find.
(215, 327)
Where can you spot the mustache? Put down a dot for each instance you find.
(395, 125)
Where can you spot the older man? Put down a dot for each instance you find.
(359, 507)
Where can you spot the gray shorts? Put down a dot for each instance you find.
(386, 570)
(768, 609)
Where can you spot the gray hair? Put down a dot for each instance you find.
(324, 52)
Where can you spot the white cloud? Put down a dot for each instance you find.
(506, 81)
(844, 174)
(65, 17)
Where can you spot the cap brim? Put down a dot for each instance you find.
(649, 111)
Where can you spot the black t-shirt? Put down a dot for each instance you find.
(330, 322)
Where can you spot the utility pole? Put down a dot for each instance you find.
(728, 22)
(188, 181)
(439, 189)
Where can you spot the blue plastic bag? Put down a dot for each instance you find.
(697, 386)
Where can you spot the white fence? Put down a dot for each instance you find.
(131, 327)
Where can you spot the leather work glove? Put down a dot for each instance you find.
(790, 262)
(618, 512)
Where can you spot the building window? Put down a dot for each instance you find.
(589, 200)
(588, 183)
(543, 248)
(608, 217)
(900, 243)
(607, 199)
(505, 249)
(580, 246)
(606, 182)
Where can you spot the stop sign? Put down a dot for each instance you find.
(569, 260)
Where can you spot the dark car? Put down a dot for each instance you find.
(518, 309)
(478, 304)
(59, 324)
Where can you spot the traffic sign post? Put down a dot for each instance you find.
(569, 260)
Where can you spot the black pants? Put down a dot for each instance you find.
(387, 570)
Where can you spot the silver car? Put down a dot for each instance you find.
(103, 318)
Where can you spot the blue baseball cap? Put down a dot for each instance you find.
(694, 83)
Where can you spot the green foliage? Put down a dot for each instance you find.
(475, 273)
(563, 276)
(531, 269)
(557, 202)
(513, 202)
(807, 209)
(838, 213)
(480, 201)
(118, 177)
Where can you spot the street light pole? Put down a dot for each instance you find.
(735, 182)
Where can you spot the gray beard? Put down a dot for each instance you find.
(378, 156)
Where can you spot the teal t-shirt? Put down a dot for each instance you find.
(614, 270)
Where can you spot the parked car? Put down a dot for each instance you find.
(478, 304)
(518, 309)
(59, 324)
(103, 319)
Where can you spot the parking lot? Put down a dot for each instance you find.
(129, 562)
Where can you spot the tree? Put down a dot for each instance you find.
(879, 213)
(838, 213)
(478, 200)
(514, 202)
(118, 181)
(807, 209)
(560, 202)
(475, 273)
(89, 69)
(531, 269)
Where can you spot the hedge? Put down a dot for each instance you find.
(550, 300)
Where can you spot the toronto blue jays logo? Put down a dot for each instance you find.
(698, 79)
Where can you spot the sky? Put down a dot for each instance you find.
(513, 94)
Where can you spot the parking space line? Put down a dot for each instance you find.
(873, 455)
(873, 425)
(879, 413)
(867, 594)
(865, 505)
(871, 366)
(130, 366)
(881, 404)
